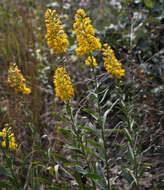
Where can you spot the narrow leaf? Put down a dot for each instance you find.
(129, 138)
(102, 182)
(42, 180)
(92, 113)
(94, 143)
(104, 96)
(61, 158)
(107, 112)
(93, 176)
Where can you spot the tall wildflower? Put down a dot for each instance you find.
(56, 37)
(63, 85)
(16, 80)
(111, 64)
(8, 137)
(85, 34)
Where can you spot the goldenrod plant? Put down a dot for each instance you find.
(16, 80)
(99, 177)
(8, 138)
(85, 34)
(111, 64)
(56, 37)
(82, 128)
(63, 85)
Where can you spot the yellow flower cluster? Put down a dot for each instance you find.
(91, 61)
(8, 136)
(56, 37)
(111, 63)
(16, 80)
(63, 85)
(85, 34)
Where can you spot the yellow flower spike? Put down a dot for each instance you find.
(6, 133)
(56, 37)
(85, 34)
(111, 64)
(91, 61)
(63, 85)
(16, 80)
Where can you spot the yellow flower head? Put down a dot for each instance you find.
(91, 61)
(63, 85)
(85, 34)
(8, 136)
(16, 80)
(56, 37)
(111, 64)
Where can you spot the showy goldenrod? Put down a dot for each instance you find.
(8, 136)
(56, 37)
(111, 64)
(91, 61)
(63, 85)
(16, 80)
(85, 34)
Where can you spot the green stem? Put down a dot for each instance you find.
(88, 164)
(79, 140)
(102, 129)
(106, 157)
(132, 144)
(69, 112)
(96, 91)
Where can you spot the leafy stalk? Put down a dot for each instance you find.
(102, 128)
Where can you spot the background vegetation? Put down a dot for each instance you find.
(124, 148)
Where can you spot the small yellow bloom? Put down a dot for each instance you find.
(56, 37)
(7, 135)
(111, 64)
(85, 34)
(63, 85)
(91, 61)
(1, 134)
(16, 80)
